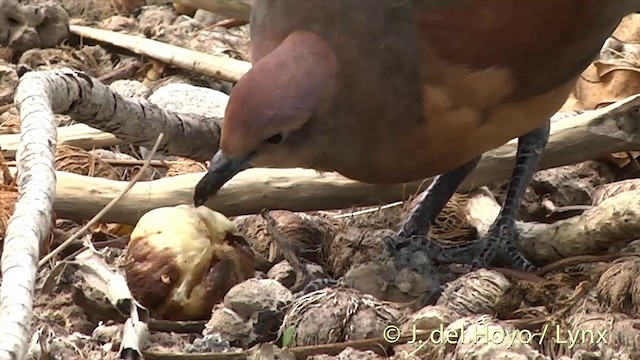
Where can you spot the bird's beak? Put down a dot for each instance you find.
(221, 170)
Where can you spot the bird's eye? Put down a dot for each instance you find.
(276, 139)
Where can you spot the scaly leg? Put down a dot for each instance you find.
(501, 239)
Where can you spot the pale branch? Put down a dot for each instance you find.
(31, 219)
(573, 139)
(133, 121)
(78, 135)
(614, 222)
(216, 66)
(234, 9)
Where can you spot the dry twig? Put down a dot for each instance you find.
(286, 247)
(216, 66)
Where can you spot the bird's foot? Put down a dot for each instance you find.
(315, 285)
(416, 253)
(429, 258)
(500, 244)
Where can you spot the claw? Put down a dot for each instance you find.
(430, 298)
(500, 243)
(315, 285)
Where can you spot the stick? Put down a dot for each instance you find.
(133, 121)
(216, 66)
(125, 162)
(612, 222)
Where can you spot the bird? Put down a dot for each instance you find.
(393, 91)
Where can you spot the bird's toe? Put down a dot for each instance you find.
(500, 244)
(315, 285)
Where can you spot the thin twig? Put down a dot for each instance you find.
(581, 259)
(99, 215)
(285, 244)
(367, 211)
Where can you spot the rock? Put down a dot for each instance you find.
(253, 296)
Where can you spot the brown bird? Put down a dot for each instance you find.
(389, 91)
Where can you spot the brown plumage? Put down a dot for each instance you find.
(410, 81)
(388, 91)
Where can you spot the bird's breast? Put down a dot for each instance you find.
(455, 134)
(423, 88)
(489, 72)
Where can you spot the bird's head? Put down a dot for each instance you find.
(270, 104)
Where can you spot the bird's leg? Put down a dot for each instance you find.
(410, 247)
(412, 235)
(434, 200)
(501, 239)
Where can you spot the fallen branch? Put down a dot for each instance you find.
(133, 121)
(216, 66)
(614, 221)
(233, 9)
(29, 224)
(123, 163)
(574, 139)
(78, 135)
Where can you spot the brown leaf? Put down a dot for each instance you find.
(605, 82)
(615, 74)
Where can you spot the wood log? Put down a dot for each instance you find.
(575, 139)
